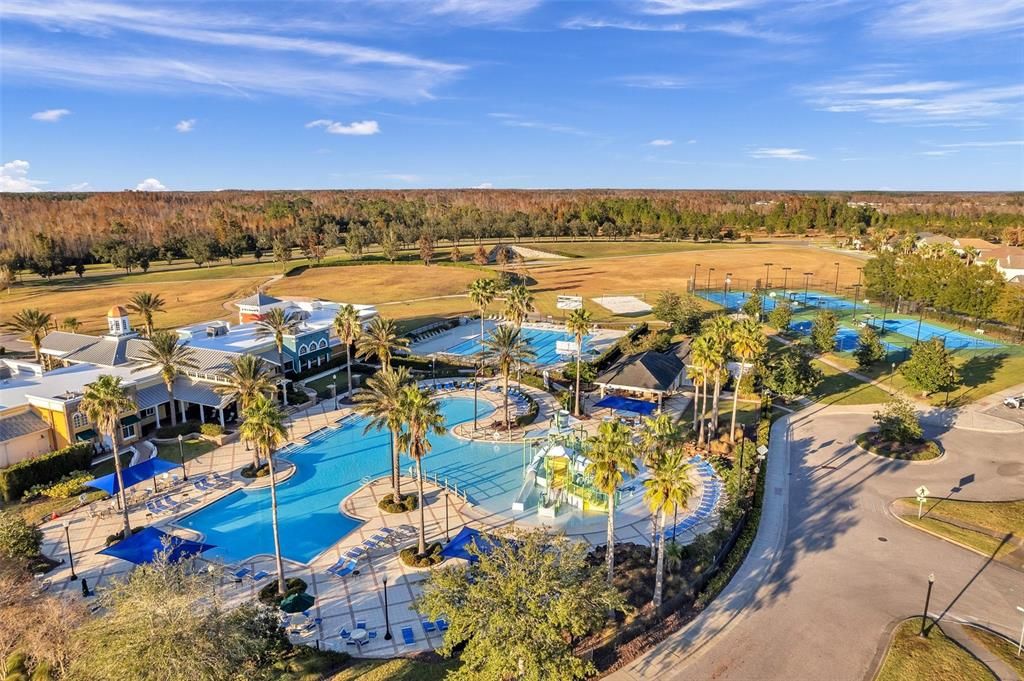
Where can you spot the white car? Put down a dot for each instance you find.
(1014, 402)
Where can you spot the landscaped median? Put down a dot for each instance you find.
(936, 657)
(992, 528)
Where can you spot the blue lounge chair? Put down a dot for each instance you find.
(260, 575)
(428, 626)
(201, 485)
(408, 636)
(372, 635)
(153, 508)
(343, 569)
(442, 625)
(344, 633)
(361, 624)
(310, 626)
(170, 503)
(241, 574)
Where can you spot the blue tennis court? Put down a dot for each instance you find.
(542, 342)
(846, 337)
(734, 300)
(825, 301)
(954, 340)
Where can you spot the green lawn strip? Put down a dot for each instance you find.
(935, 658)
(1004, 649)
(396, 670)
(322, 385)
(998, 516)
(192, 449)
(839, 387)
(43, 508)
(602, 249)
(107, 467)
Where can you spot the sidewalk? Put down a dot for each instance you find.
(958, 632)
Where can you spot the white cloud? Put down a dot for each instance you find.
(484, 11)
(484, 185)
(655, 82)
(585, 23)
(187, 125)
(660, 143)
(150, 184)
(982, 145)
(951, 18)
(78, 187)
(688, 6)
(50, 115)
(939, 152)
(517, 121)
(14, 177)
(358, 128)
(785, 153)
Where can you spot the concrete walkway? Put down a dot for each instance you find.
(959, 633)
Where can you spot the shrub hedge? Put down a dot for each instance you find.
(404, 505)
(17, 479)
(293, 585)
(211, 429)
(431, 557)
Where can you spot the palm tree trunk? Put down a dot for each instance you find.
(659, 569)
(120, 482)
(508, 425)
(273, 519)
(610, 558)
(579, 354)
(713, 430)
(396, 471)
(703, 411)
(696, 401)
(284, 388)
(735, 402)
(423, 521)
(170, 395)
(348, 370)
(654, 534)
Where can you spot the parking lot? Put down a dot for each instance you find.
(1004, 412)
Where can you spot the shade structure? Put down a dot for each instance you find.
(298, 602)
(617, 403)
(143, 547)
(459, 546)
(133, 475)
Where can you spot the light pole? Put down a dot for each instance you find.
(476, 390)
(837, 277)
(334, 390)
(725, 288)
(949, 384)
(708, 287)
(387, 615)
(695, 266)
(856, 295)
(767, 273)
(927, 600)
(807, 281)
(181, 456)
(785, 277)
(860, 271)
(71, 557)
(447, 535)
(891, 374)
(433, 372)
(1020, 643)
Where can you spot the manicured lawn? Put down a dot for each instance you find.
(602, 249)
(998, 517)
(191, 448)
(935, 658)
(396, 670)
(841, 388)
(322, 385)
(1004, 649)
(376, 283)
(107, 467)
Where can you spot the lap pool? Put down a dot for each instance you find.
(331, 467)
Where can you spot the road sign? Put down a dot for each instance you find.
(922, 496)
(762, 450)
(922, 491)
(569, 302)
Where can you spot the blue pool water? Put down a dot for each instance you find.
(542, 342)
(330, 468)
(954, 340)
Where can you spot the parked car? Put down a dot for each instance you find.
(1014, 402)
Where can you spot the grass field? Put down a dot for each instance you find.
(936, 658)
(376, 283)
(841, 388)
(995, 519)
(1005, 650)
(604, 249)
(395, 670)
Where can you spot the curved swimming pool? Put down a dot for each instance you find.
(331, 467)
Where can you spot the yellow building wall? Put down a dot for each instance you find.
(59, 425)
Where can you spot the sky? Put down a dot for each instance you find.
(676, 94)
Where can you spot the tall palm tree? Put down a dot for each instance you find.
(248, 379)
(70, 324)
(32, 323)
(173, 358)
(669, 487)
(348, 328)
(264, 427)
(611, 459)
(748, 343)
(278, 323)
(146, 304)
(719, 331)
(507, 347)
(103, 402)
(421, 416)
(518, 304)
(381, 340)
(657, 435)
(705, 355)
(578, 324)
(482, 292)
(695, 373)
(380, 403)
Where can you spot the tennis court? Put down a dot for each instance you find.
(734, 300)
(846, 337)
(954, 340)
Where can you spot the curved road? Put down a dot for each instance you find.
(817, 603)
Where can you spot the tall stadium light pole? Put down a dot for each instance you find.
(860, 272)
(708, 287)
(856, 295)
(837, 278)
(767, 274)
(785, 277)
(695, 266)
(807, 281)
(725, 288)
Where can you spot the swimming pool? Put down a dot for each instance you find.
(542, 342)
(331, 467)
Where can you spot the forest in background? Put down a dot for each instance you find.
(52, 233)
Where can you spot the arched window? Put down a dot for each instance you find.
(303, 349)
(322, 344)
(79, 420)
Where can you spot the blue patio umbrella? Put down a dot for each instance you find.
(298, 602)
(143, 547)
(458, 547)
(133, 475)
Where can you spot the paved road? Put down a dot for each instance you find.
(848, 569)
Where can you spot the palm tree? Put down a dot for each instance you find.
(70, 324)
(348, 328)
(719, 330)
(578, 324)
(421, 416)
(482, 292)
(380, 403)
(34, 324)
(610, 461)
(172, 358)
(146, 304)
(669, 487)
(696, 375)
(103, 402)
(248, 380)
(657, 436)
(748, 342)
(518, 304)
(264, 427)
(278, 323)
(704, 355)
(507, 347)
(380, 339)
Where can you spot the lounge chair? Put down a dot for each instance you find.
(170, 503)
(407, 636)
(343, 571)
(344, 633)
(309, 626)
(152, 507)
(442, 625)
(428, 626)
(361, 624)
(356, 553)
(259, 576)
(378, 538)
(241, 574)
(201, 485)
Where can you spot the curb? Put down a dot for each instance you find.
(939, 459)
(900, 518)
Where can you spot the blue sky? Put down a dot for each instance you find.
(782, 94)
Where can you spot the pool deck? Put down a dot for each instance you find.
(340, 601)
